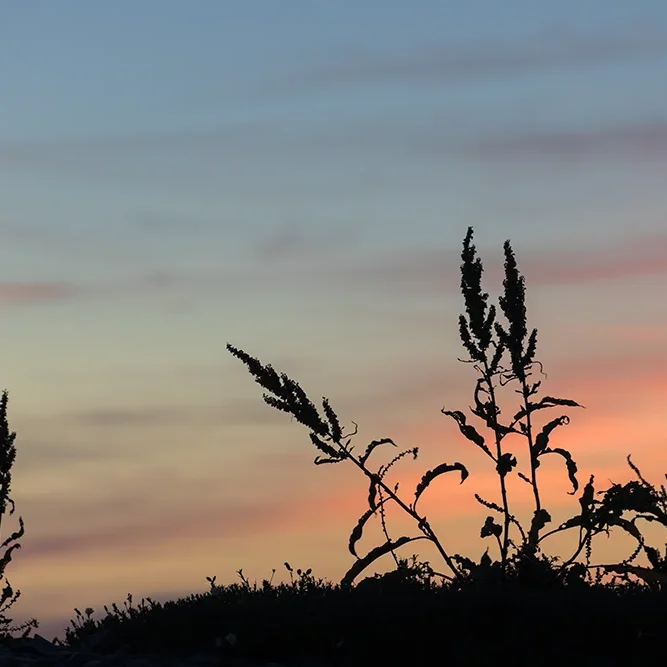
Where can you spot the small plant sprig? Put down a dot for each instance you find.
(487, 354)
(7, 458)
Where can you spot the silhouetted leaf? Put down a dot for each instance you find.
(18, 534)
(319, 461)
(376, 443)
(542, 439)
(546, 402)
(278, 403)
(323, 446)
(490, 528)
(467, 341)
(488, 411)
(587, 497)
(530, 349)
(572, 522)
(571, 466)
(497, 356)
(534, 387)
(438, 470)
(540, 519)
(372, 492)
(485, 560)
(332, 417)
(627, 526)
(371, 556)
(505, 464)
(654, 557)
(524, 478)
(469, 431)
(355, 536)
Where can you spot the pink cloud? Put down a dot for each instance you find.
(437, 270)
(633, 257)
(640, 140)
(18, 293)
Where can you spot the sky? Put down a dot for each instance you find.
(296, 179)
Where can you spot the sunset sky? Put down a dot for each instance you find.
(296, 178)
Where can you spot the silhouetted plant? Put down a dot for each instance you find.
(7, 457)
(526, 565)
(270, 621)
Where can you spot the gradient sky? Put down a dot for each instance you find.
(296, 178)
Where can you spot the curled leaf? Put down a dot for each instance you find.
(439, 470)
(376, 443)
(546, 402)
(571, 466)
(468, 431)
(355, 535)
(626, 525)
(373, 555)
(542, 439)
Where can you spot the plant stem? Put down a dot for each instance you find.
(529, 437)
(503, 486)
(421, 521)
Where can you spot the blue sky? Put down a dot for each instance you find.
(296, 178)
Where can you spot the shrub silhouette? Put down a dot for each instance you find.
(489, 344)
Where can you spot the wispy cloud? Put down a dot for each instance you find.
(77, 151)
(629, 258)
(243, 412)
(15, 293)
(434, 270)
(411, 270)
(292, 240)
(160, 222)
(441, 64)
(639, 140)
(405, 138)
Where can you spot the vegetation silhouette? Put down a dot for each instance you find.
(546, 608)
(527, 564)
